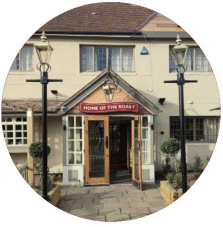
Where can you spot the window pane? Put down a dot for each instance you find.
(9, 127)
(9, 134)
(78, 121)
(189, 60)
(19, 119)
(145, 133)
(78, 133)
(18, 141)
(189, 130)
(87, 58)
(70, 121)
(9, 119)
(201, 62)
(18, 134)
(144, 122)
(71, 158)
(18, 127)
(10, 141)
(199, 129)
(71, 133)
(26, 57)
(78, 145)
(70, 145)
(127, 59)
(115, 58)
(15, 64)
(100, 58)
(79, 158)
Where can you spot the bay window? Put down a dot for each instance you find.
(15, 130)
(97, 58)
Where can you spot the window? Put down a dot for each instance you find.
(146, 140)
(197, 129)
(97, 58)
(195, 61)
(75, 140)
(15, 130)
(23, 60)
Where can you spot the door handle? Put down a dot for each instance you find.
(106, 142)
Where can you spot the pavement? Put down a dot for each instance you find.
(111, 203)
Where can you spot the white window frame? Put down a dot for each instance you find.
(74, 140)
(149, 140)
(21, 69)
(194, 48)
(14, 131)
(107, 57)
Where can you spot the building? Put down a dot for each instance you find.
(112, 110)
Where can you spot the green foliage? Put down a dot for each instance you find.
(36, 150)
(50, 185)
(170, 146)
(170, 178)
(166, 167)
(197, 164)
(178, 179)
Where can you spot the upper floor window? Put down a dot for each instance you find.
(197, 129)
(23, 60)
(97, 58)
(195, 61)
(15, 130)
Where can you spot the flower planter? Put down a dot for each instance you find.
(168, 193)
(54, 195)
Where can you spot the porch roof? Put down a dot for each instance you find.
(14, 106)
(98, 81)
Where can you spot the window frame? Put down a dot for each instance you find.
(74, 140)
(194, 48)
(14, 123)
(20, 69)
(107, 57)
(194, 129)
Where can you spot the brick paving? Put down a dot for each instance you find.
(111, 203)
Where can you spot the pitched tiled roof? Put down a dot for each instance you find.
(21, 105)
(100, 17)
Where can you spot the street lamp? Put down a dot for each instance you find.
(179, 53)
(44, 51)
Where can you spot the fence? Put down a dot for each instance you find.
(23, 169)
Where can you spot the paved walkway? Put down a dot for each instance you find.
(111, 203)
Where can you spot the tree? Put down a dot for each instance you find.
(170, 147)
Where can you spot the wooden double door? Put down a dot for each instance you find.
(97, 155)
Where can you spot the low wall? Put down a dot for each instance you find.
(168, 193)
(54, 195)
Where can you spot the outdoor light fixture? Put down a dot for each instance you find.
(179, 53)
(161, 100)
(44, 50)
(109, 90)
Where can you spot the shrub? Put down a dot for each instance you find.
(36, 150)
(170, 146)
(178, 179)
(50, 185)
(197, 165)
(170, 178)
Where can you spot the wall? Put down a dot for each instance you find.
(150, 72)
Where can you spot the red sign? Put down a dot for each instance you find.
(108, 107)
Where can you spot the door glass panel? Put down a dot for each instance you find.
(136, 150)
(96, 149)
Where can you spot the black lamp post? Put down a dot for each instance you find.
(179, 53)
(44, 51)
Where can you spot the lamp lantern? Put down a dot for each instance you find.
(109, 90)
(43, 50)
(179, 52)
